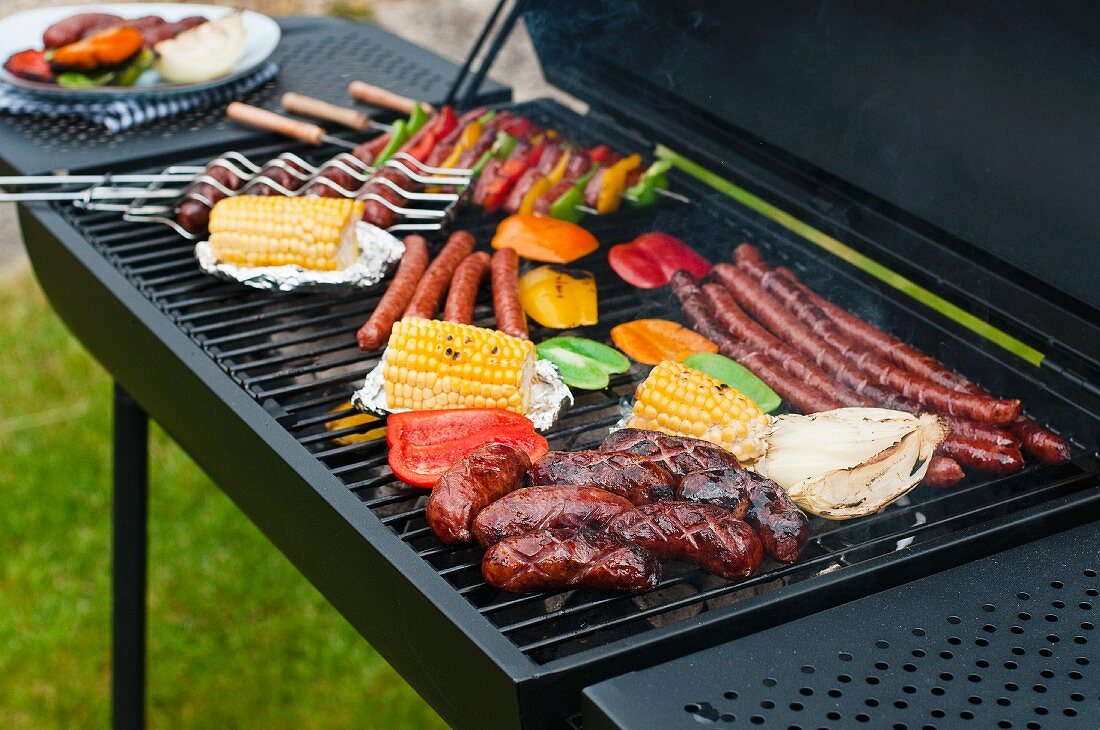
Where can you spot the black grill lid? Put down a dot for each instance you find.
(979, 118)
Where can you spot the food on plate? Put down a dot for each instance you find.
(781, 526)
(544, 239)
(207, 51)
(849, 462)
(650, 260)
(376, 330)
(433, 284)
(704, 534)
(504, 274)
(650, 341)
(462, 294)
(735, 374)
(108, 48)
(583, 363)
(431, 365)
(423, 445)
(484, 475)
(75, 27)
(678, 400)
(634, 477)
(559, 298)
(314, 233)
(565, 558)
(31, 64)
(545, 508)
(681, 455)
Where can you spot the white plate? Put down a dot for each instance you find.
(24, 30)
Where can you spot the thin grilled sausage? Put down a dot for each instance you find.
(462, 295)
(504, 270)
(73, 28)
(554, 559)
(374, 333)
(429, 292)
(704, 534)
(193, 216)
(628, 475)
(545, 508)
(481, 477)
(943, 471)
(678, 454)
(977, 455)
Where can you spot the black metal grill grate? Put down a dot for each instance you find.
(296, 355)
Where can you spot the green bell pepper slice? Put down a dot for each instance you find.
(583, 363)
(416, 119)
(644, 192)
(502, 147)
(737, 375)
(566, 208)
(398, 136)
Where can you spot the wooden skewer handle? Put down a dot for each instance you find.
(272, 122)
(382, 98)
(309, 107)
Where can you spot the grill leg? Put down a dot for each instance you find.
(128, 547)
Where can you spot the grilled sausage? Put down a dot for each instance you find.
(678, 454)
(978, 455)
(153, 32)
(374, 333)
(545, 508)
(943, 471)
(282, 173)
(504, 273)
(429, 292)
(628, 475)
(555, 559)
(462, 295)
(724, 487)
(481, 477)
(704, 534)
(76, 27)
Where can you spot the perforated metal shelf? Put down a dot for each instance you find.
(1008, 641)
(317, 56)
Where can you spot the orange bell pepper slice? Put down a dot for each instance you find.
(650, 341)
(544, 239)
(106, 48)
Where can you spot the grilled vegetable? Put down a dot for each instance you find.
(734, 373)
(425, 444)
(567, 206)
(679, 400)
(613, 184)
(583, 363)
(399, 135)
(544, 239)
(207, 51)
(644, 192)
(30, 64)
(434, 365)
(850, 462)
(650, 260)
(559, 298)
(314, 233)
(650, 341)
(111, 47)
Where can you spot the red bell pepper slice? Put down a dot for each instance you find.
(424, 141)
(650, 260)
(502, 183)
(603, 155)
(425, 444)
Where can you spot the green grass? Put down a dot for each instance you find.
(237, 638)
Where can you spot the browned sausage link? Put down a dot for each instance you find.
(337, 175)
(977, 455)
(554, 559)
(155, 33)
(225, 176)
(795, 391)
(377, 213)
(374, 333)
(546, 508)
(979, 408)
(429, 292)
(193, 215)
(75, 27)
(704, 534)
(462, 295)
(1037, 441)
(483, 476)
(277, 174)
(628, 475)
(727, 311)
(504, 270)
(943, 472)
(724, 487)
(678, 454)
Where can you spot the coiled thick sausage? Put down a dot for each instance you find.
(374, 333)
(678, 454)
(545, 508)
(481, 477)
(628, 475)
(462, 296)
(704, 534)
(429, 292)
(504, 272)
(555, 559)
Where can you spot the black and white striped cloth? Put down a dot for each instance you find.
(120, 115)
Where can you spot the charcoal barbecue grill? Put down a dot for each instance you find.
(218, 364)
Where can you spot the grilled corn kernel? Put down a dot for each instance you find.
(682, 401)
(314, 233)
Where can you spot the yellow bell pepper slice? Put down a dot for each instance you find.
(541, 186)
(558, 172)
(469, 135)
(614, 184)
(559, 298)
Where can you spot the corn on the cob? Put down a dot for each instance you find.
(314, 233)
(679, 400)
(432, 365)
